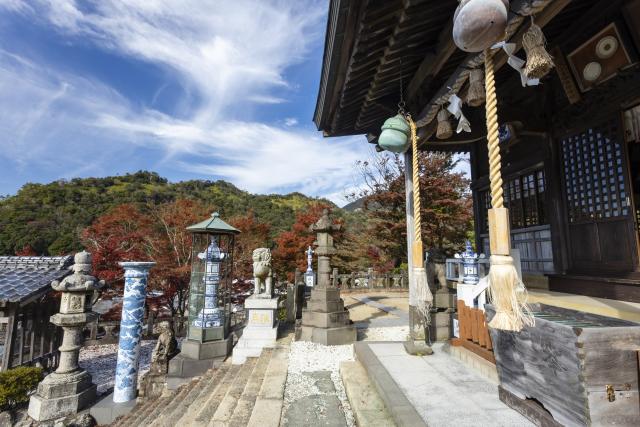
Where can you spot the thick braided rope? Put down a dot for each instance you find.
(493, 139)
(417, 219)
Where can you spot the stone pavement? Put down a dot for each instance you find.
(377, 310)
(443, 391)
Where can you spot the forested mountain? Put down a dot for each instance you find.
(50, 217)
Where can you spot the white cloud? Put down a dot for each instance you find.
(290, 121)
(232, 54)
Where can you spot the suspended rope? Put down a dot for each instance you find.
(424, 297)
(505, 285)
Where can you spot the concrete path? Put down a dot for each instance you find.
(386, 315)
(443, 391)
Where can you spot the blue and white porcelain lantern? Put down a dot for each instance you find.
(470, 261)
(211, 275)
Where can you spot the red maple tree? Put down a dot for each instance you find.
(253, 234)
(291, 245)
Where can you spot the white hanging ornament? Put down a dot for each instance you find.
(455, 108)
(516, 63)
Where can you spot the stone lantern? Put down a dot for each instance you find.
(69, 389)
(208, 336)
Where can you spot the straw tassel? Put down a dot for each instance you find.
(477, 94)
(444, 129)
(539, 62)
(424, 297)
(504, 283)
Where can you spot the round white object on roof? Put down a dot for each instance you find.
(592, 71)
(607, 47)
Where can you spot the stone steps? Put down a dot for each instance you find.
(229, 396)
(247, 400)
(155, 419)
(201, 416)
(228, 404)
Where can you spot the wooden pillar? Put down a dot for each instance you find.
(11, 330)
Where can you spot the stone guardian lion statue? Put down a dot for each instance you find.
(262, 272)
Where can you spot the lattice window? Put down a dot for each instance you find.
(594, 174)
(525, 197)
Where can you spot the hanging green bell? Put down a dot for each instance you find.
(395, 135)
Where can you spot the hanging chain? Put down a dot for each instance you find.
(401, 104)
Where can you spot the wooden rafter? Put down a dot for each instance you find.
(433, 62)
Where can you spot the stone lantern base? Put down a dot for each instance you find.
(325, 320)
(59, 395)
(261, 330)
(196, 358)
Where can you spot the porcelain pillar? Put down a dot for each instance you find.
(135, 283)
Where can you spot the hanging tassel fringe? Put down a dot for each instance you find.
(539, 62)
(508, 296)
(477, 93)
(424, 297)
(444, 130)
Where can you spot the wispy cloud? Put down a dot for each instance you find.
(232, 54)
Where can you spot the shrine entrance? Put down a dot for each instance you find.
(601, 217)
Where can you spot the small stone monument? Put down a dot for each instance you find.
(69, 389)
(262, 327)
(153, 383)
(325, 320)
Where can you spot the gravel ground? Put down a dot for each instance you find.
(100, 362)
(392, 333)
(306, 358)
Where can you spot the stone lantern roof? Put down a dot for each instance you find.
(213, 225)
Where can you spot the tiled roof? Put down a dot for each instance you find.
(23, 276)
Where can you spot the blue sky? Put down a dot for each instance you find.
(191, 89)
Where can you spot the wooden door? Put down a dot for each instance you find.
(601, 231)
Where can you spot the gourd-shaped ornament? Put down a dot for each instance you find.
(395, 134)
(479, 24)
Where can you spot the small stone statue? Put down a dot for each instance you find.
(262, 272)
(166, 347)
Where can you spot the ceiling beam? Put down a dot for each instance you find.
(545, 11)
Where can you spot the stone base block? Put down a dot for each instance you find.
(440, 328)
(152, 385)
(182, 368)
(325, 294)
(444, 298)
(106, 410)
(197, 350)
(325, 320)
(261, 303)
(49, 408)
(328, 336)
(325, 306)
(252, 341)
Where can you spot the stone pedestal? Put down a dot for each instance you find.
(69, 389)
(60, 395)
(261, 330)
(196, 358)
(325, 319)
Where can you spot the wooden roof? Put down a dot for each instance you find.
(373, 48)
